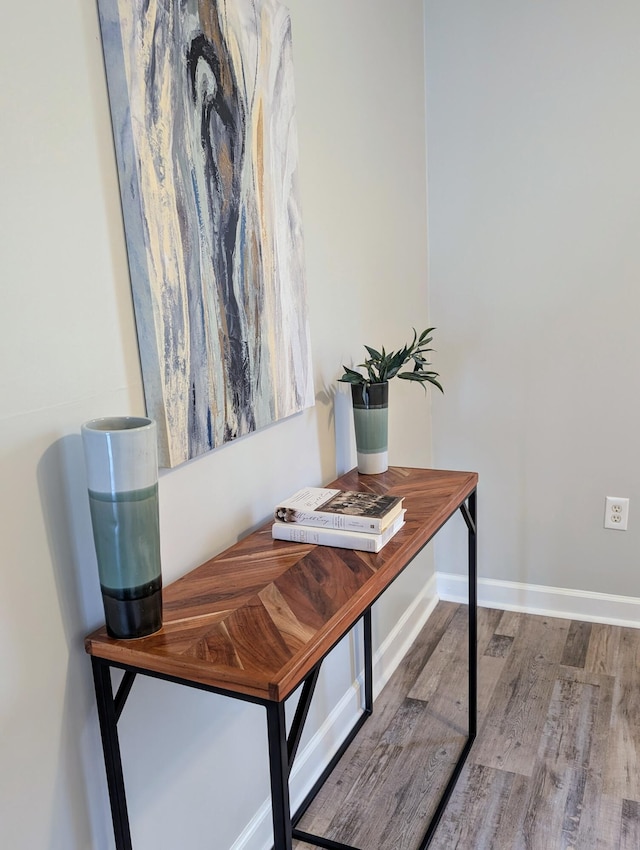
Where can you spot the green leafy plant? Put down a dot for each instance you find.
(382, 366)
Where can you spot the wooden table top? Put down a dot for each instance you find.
(255, 619)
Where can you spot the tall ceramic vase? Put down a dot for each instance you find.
(122, 472)
(371, 417)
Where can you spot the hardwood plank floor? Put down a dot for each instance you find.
(555, 766)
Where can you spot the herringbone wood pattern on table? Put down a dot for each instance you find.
(555, 766)
(258, 617)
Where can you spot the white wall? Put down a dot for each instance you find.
(533, 133)
(195, 764)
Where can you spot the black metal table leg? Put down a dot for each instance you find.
(468, 510)
(107, 715)
(304, 704)
(279, 775)
(368, 662)
(473, 617)
(469, 514)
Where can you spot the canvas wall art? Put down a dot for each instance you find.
(203, 113)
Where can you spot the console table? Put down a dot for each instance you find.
(256, 621)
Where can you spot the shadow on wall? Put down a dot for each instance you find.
(337, 397)
(65, 507)
(80, 786)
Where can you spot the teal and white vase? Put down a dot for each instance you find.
(371, 418)
(121, 458)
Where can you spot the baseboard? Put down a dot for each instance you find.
(548, 601)
(312, 759)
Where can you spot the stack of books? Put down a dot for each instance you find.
(345, 518)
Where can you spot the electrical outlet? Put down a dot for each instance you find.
(616, 513)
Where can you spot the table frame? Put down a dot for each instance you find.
(282, 747)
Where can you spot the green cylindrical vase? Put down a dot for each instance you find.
(371, 418)
(121, 458)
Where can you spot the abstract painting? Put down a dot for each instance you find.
(203, 114)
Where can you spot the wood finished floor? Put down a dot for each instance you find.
(556, 763)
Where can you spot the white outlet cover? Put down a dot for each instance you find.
(616, 513)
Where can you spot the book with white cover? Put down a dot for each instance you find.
(350, 510)
(361, 540)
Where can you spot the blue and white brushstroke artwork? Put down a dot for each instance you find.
(203, 112)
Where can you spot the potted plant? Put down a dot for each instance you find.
(370, 395)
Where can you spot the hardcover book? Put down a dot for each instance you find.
(350, 510)
(361, 540)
